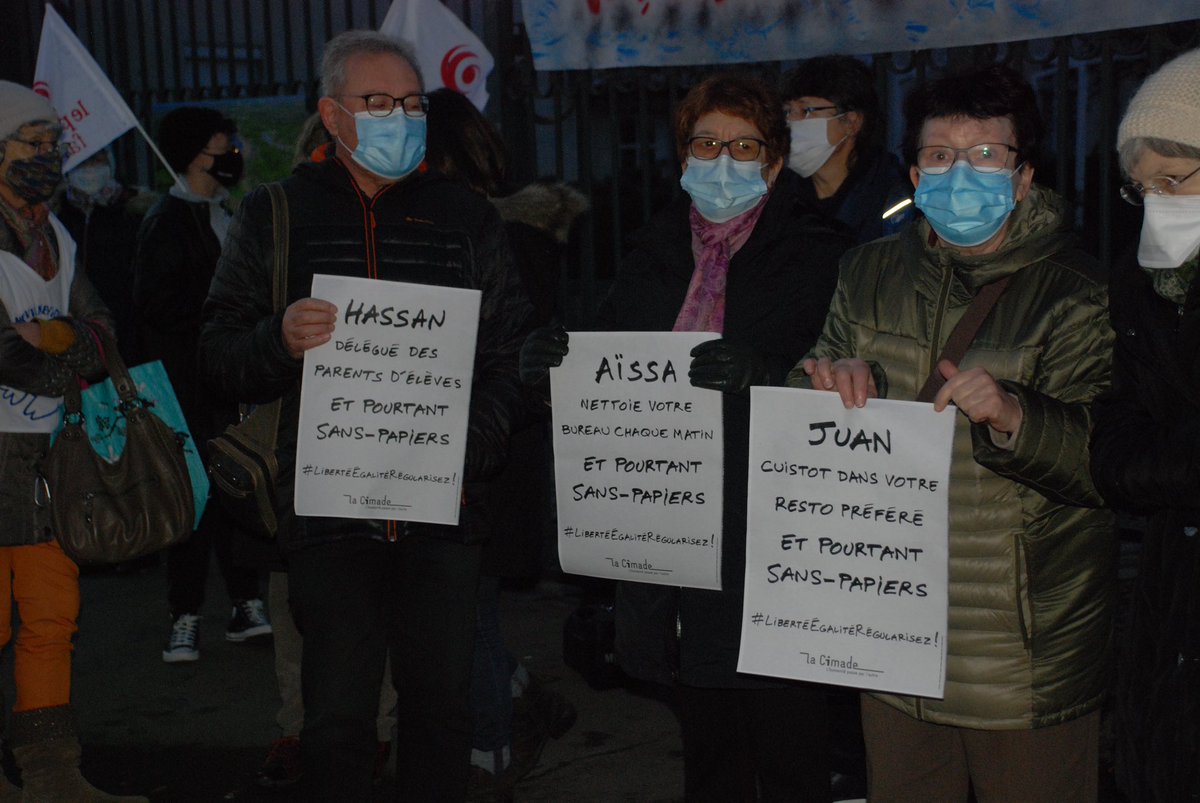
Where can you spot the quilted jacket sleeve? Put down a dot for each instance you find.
(498, 402)
(242, 356)
(1051, 451)
(837, 336)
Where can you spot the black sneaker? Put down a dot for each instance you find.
(248, 621)
(181, 644)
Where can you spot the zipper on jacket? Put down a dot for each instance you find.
(1020, 568)
(369, 225)
(678, 647)
(939, 314)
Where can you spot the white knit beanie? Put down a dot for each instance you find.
(1167, 106)
(20, 105)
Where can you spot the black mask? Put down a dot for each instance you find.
(227, 167)
(36, 178)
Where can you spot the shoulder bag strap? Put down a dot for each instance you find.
(279, 224)
(964, 332)
(268, 414)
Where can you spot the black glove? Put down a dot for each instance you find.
(542, 350)
(727, 367)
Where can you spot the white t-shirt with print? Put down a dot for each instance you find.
(26, 296)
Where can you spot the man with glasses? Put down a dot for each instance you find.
(1146, 443)
(360, 589)
(1032, 554)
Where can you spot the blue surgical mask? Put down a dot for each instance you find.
(966, 207)
(723, 188)
(390, 147)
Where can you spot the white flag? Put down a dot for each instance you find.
(448, 53)
(90, 109)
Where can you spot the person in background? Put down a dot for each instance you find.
(837, 147)
(738, 255)
(103, 217)
(1146, 445)
(49, 319)
(1032, 553)
(177, 249)
(514, 713)
(283, 767)
(365, 590)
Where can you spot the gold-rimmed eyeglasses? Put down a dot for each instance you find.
(742, 149)
(1135, 191)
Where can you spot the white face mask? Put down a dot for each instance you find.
(1170, 230)
(810, 144)
(90, 179)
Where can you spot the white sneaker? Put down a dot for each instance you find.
(249, 620)
(185, 634)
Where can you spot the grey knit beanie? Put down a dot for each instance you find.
(1167, 106)
(20, 105)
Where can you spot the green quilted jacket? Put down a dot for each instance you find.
(1032, 553)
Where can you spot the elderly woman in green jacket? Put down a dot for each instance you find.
(1031, 553)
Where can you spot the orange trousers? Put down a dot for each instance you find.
(44, 583)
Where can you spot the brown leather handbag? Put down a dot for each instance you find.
(104, 512)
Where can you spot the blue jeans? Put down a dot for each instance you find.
(355, 601)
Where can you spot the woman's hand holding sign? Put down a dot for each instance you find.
(850, 377)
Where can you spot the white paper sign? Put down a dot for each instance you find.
(384, 404)
(846, 553)
(638, 460)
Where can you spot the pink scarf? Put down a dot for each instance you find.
(713, 245)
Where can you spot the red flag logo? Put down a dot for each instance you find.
(460, 69)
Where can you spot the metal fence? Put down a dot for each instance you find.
(607, 131)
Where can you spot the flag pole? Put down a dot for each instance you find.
(174, 176)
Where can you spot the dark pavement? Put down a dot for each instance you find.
(198, 732)
(195, 733)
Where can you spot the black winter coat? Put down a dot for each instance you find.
(423, 229)
(173, 265)
(778, 290)
(875, 184)
(106, 237)
(1146, 459)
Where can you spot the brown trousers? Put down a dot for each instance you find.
(910, 761)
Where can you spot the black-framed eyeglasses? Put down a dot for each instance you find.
(986, 157)
(44, 146)
(1135, 192)
(804, 112)
(742, 149)
(382, 105)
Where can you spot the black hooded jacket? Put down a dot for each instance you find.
(777, 294)
(423, 229)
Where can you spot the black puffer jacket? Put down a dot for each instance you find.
(423, 229)
(1146, 459)
(777, 293)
